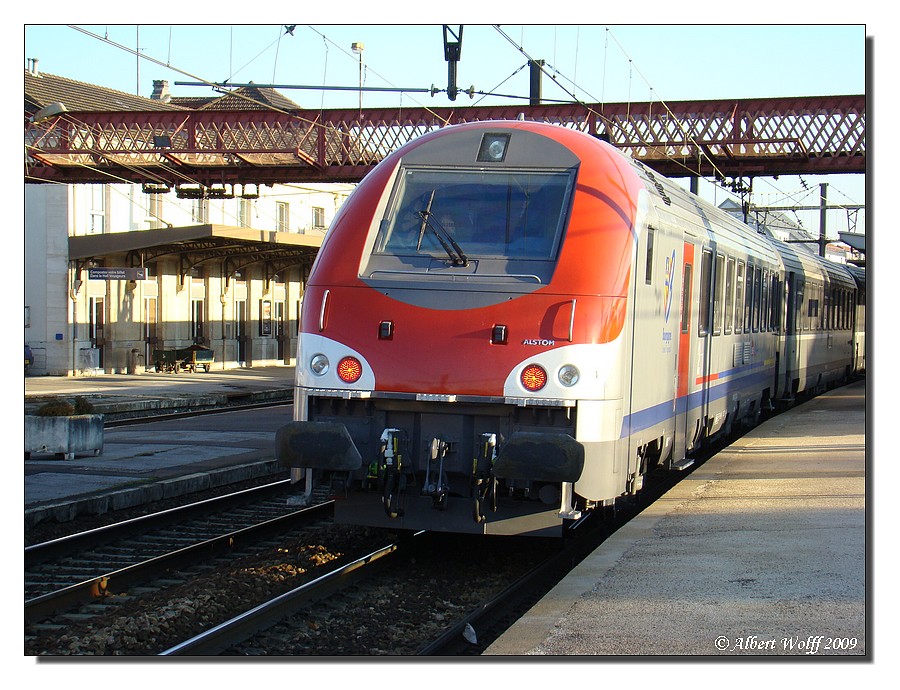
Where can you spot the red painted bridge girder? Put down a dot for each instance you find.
(726, 138)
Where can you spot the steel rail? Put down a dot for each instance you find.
(231, 632)
(200, 411)
(57, 548)
(117, 582)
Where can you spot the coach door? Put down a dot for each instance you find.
(683, 360)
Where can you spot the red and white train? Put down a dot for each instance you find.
(510, 324)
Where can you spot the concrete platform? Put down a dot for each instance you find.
(761, 551)
(142, 463)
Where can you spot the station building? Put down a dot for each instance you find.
(116, 273)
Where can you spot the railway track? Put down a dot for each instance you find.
(236, 403)
(387, 602)
(70, 571)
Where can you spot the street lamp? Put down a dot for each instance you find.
(358, 47)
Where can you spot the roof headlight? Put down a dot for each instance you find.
(493, 148)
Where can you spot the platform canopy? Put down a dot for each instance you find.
(195, 245)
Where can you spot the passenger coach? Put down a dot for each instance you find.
(510, 324)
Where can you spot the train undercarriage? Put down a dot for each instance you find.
(462, 467)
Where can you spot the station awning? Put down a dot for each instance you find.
(196, 244)
(855, 240)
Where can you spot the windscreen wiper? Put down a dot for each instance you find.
(454, 251)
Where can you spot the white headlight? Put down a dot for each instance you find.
(319, 364)
(568, 375)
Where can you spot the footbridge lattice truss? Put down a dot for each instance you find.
(726, 139)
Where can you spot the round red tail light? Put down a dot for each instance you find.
(349, 370)
(534, 377)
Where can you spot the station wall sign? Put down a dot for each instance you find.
(104, 273)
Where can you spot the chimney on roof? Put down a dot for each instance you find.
(33, 66)
(161, 91)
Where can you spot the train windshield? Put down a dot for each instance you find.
(460, 215)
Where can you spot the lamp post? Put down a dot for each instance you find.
(358, 47)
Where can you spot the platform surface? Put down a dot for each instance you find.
(760, 551)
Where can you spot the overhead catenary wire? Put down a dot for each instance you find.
(633, 69)
(607, 122)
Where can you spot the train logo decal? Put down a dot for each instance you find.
(669, 284)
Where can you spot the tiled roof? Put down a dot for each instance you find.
(250, 98)
(42, 89)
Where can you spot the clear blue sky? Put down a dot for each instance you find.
(611, 63)
(595, 62)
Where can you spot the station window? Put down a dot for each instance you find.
(155, 210)
(197, 321)
(282, 216)
(245, 212)
(318, 217)
(200, 211)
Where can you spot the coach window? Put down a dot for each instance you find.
(729, 295)
(775, 303)
(719, 296)
(848, 308)
(705, 276)
(823, 308)
(795, 304)
(757, 294)
(764, 306)
(738, 296)
(843, 309)
(835, 309)
(812, 310)
(821, 293)
(748, 300)
(686, 299)
(835, 314)
(648, 269)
